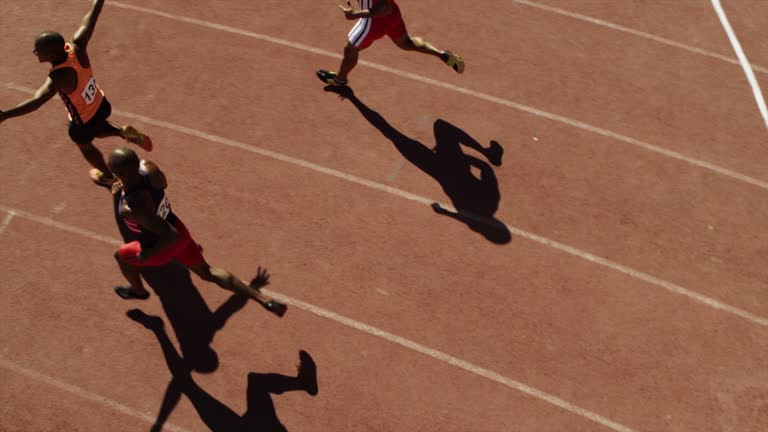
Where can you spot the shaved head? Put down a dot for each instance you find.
(49, 46)
(49, 41)
(124, 162)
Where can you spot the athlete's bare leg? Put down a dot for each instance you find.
(128, 133)
(229, 282)
(94, 157)
(109, 130)
(418, 44)
(351, 54)
(131, 274)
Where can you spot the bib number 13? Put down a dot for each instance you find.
(89, 92)
(164, 209)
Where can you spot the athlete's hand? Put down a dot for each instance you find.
(116, 187)
(350, 12)
(260, 280)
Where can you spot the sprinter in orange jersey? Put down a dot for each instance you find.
(72, 78)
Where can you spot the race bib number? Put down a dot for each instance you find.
(89, 93)
(164, 209)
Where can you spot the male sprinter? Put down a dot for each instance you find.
(377, 18)
(162, 237)
(71, 76)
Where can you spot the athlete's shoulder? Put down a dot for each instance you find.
(146, 164)
(61, 72)
(63, 78)
(68, 64)
(153, 172)
(79, 54)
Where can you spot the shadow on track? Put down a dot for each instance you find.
(475, 198)
(260, 414)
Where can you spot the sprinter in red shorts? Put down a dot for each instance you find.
(376, 19)
(161, 236)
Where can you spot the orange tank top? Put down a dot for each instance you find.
(85, 100)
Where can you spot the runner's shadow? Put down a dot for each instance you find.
(260, 414)
(476, 198)
(195, 326)
(192, 320)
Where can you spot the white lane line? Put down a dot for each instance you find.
(638, 33)
(504, 102)
(742, 60)
(396, 170)
(669, 286)
(453, 361)
(407, 343)
(85, 394)
(6, 221)
(225, 28)
(62, 226)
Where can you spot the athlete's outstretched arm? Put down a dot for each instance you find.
(43, 95)
(142, 211)
(84, 33)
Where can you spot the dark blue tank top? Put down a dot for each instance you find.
(162, 208)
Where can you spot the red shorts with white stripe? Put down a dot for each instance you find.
(369, 30)
(185, 250)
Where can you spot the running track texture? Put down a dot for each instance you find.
(630, 297)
